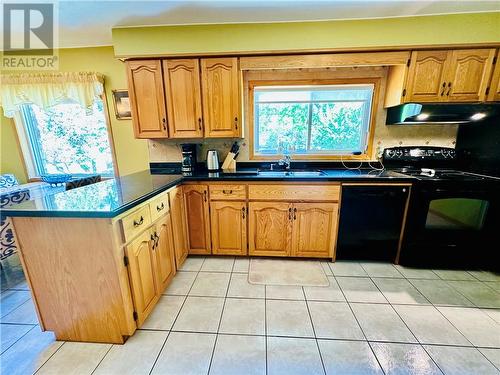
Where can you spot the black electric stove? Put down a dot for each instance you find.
(452, 216)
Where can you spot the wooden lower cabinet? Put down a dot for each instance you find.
(178, 225)
(164, 251)
(269, 229)
(197, 219)
(142, 263)
(228, 227)
(314, 229)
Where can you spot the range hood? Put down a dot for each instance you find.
(441, 113)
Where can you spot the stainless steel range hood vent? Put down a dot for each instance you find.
(429, 113)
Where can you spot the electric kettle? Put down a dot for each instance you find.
(212, 160)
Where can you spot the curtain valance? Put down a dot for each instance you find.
(48, 89)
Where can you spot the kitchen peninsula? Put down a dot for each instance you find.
(97, 258)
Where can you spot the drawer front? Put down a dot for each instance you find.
(227, 192)
(159, 206)
(294, 192)
(135, 223)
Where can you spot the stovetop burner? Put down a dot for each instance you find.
(443, 175)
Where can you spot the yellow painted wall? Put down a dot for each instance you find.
(131, 154)
(227, 38)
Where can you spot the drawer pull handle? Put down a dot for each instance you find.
(236, 123)
(161, 207)
(243, 212)
(199, 123)
(157, 240)
(164, 122)
(205, 195)
(449, 89)
(227, 192)
(138, 223)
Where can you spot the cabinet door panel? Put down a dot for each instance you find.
(221, 97)
(147, 98)
(229, 227)
(314, 229)
(182, 84)
(494, 94)
(142, 275)
(164, 251)
(269, 228)
(178, 225)
(426, 76)
(469, 75)
(197, 218)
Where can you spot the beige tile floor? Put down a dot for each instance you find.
(372, 319)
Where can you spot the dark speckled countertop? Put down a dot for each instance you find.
(111, 197)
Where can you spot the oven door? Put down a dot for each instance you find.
(450, 227)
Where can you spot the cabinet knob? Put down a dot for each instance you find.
(243, 212)
(236, 123)
(164, 122)
(449, 89)
(290, 213)
(205, 195)
(444, 88)
(199, 123)
(295, 214)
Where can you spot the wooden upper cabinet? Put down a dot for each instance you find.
(142, 271)
(221, 97)
(314, 229)
(449, 76)
(426, 76)
(269, 228)
(229, 227)
(182, 85)
(178, 225)
(145, 86)
(469, 74)
(494, 92)
(197, 218)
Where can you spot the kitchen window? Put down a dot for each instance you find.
(311, 121)
(66, 139)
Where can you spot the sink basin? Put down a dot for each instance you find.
(291, 173)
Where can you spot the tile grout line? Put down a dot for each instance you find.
(173, 323)
(314, 330)
(357, 321)
(220, 319)
(50, 357)
(7, 348)
(102, 359)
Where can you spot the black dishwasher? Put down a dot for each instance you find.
(371, 218)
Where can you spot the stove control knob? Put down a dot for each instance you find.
(399, 153)
(390, 153)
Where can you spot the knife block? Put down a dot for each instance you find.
(229, 162)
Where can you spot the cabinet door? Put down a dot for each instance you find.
(182, 84)
(221, 97)
(229, 227)
(269, 228)
(426, 76)
(469, 75)
(164, 250)
(197, 218)
(314, 229)
(142, 268)
(147, 99)
(494, 93)
(178, 225)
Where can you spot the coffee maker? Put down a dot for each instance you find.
(188, 158)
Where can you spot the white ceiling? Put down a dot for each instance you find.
(89, 23)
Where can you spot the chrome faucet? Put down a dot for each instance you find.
(285, 161)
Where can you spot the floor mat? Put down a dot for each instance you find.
(287, 272)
